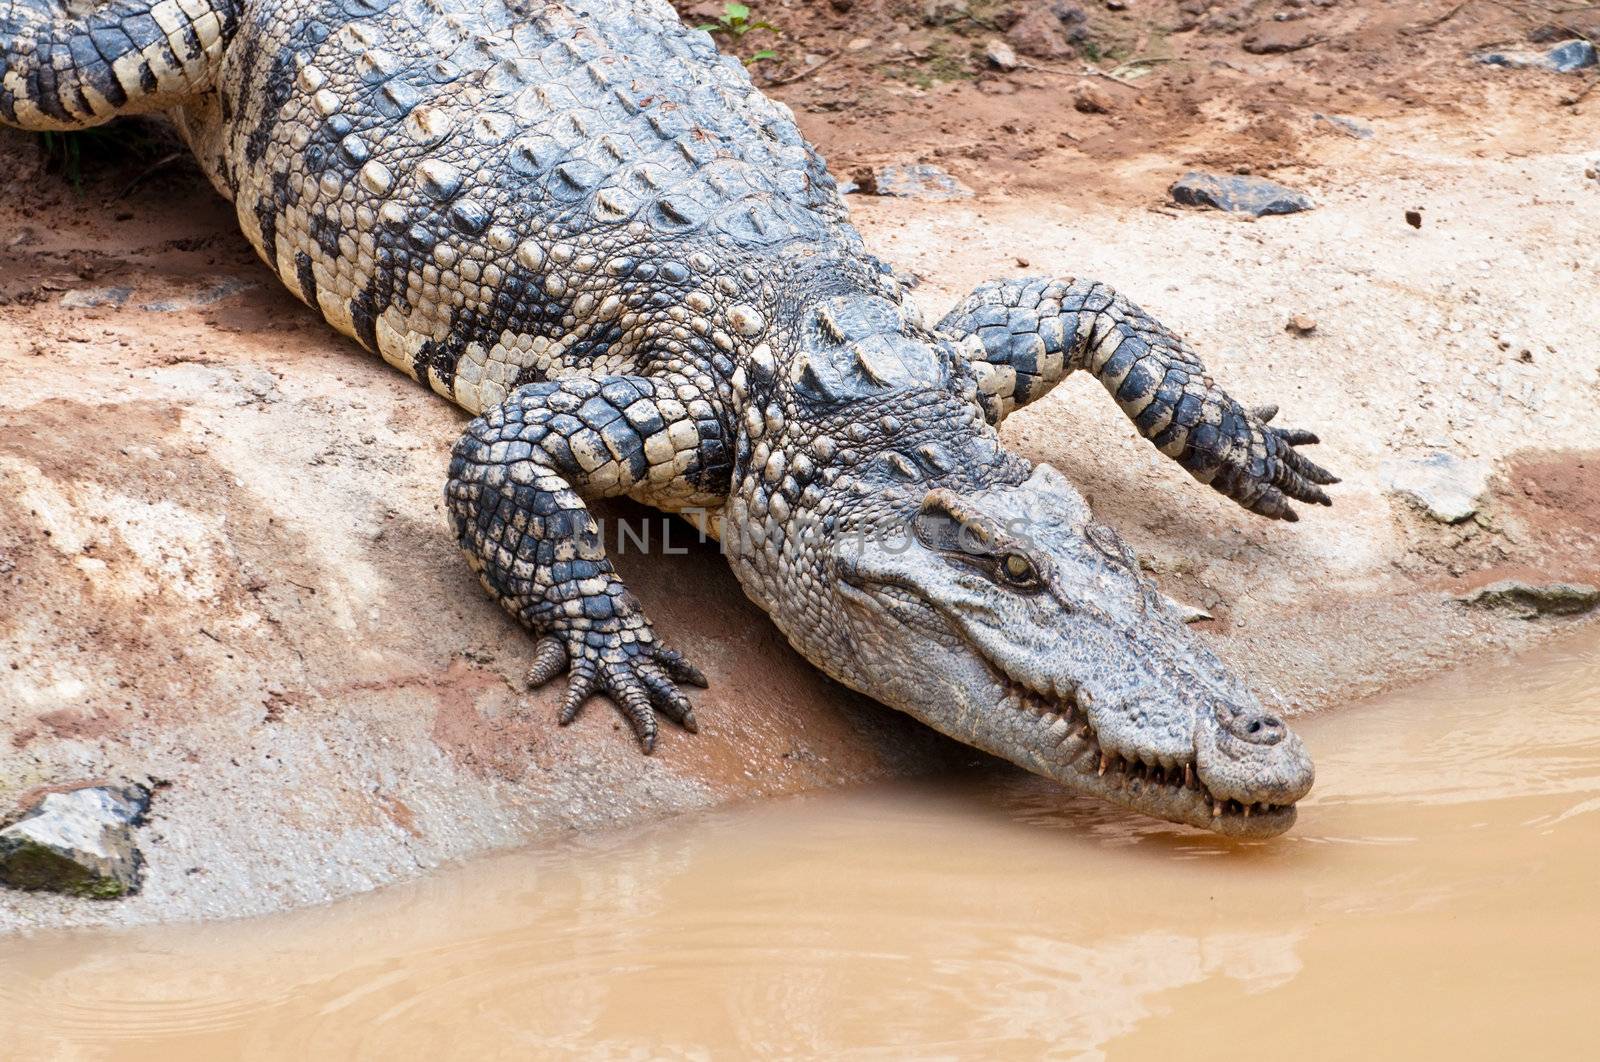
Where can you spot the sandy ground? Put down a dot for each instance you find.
(223, 565)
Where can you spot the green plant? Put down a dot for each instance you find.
(92, 153)
(63, 153)
(939, 64)
(735, 22)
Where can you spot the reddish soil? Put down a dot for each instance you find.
(1192, 81)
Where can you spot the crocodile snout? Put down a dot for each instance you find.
(1251, 754)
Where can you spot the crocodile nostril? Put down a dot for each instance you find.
(1260, 729)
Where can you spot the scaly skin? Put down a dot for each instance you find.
(578, 220)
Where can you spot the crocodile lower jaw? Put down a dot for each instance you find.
(1070, 752)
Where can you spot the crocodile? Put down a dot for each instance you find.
(585, 226)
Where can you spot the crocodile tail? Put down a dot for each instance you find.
(67, 65)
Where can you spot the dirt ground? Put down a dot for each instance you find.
(223, 565)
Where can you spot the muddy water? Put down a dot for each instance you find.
(1442, 890)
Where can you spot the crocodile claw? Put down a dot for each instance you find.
(640, 678)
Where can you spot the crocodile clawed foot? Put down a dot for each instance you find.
(641, 677)
(1267, 472)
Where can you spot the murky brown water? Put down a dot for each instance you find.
(1441, 892)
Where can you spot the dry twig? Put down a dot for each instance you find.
(808, 71)
(159, 164)
(1577, 97)
(1423, 27)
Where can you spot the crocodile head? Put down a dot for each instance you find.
(1002, 614)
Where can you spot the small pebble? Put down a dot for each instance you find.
(1414, 218)
(1301, 325)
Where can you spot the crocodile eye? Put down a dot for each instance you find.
(1018, 571)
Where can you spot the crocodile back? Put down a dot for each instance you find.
(488, 194)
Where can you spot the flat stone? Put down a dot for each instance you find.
(1529, 600)
(1348, 126)
(214, 292)
(78, 842)
(1246, 195)
(1274, 38)
(914, 181)
(1445, 487)
(87, 298)
(1564, 58)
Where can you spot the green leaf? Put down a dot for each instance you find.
(765, 53)
(738, 12)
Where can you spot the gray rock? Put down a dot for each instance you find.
(1247, 195)
(1572, 55)
(1442, 485)
(944, 12)
(914, 181)
(79, 843)
(1001, 55)
(1564, 58)
(1529, 601)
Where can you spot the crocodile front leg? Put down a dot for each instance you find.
(1025, 336)
(58, 71)
(518, 478)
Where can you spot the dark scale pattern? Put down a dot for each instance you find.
(579, 221)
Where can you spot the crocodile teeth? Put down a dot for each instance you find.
(1064, 719)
